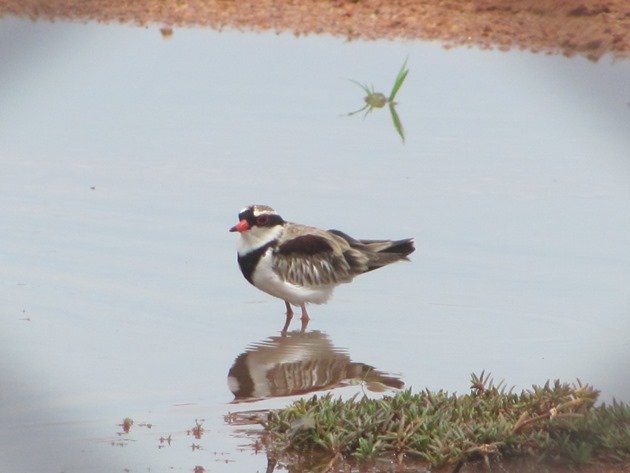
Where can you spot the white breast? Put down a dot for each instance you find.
(266, 279)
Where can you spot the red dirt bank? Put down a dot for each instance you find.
(586, 27)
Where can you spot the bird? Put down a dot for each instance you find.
(301, 264)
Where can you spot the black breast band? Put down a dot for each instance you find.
(249, 261)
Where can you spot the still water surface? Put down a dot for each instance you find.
(126, 157)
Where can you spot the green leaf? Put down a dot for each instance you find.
(396, 121)
(400, 78)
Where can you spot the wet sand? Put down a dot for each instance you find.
(584, 27)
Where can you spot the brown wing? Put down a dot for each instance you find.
(314, 259)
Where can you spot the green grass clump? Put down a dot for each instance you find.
(555, 422)
(375, 99)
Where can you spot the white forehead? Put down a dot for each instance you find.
(262, 210)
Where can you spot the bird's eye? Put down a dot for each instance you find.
(262, 220)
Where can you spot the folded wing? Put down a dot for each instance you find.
(317, 259)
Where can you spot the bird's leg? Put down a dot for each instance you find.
(289, 310)
(305, 318)
(289, 317)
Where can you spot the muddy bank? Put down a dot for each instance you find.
(585, 27)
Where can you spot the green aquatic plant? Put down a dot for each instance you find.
(556, 422)
(372, 99)
(375, 99)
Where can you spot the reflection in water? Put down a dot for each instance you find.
(299, 363)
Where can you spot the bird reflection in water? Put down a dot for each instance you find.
(297, 363)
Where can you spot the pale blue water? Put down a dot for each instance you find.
(125, 158)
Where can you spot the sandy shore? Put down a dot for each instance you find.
(586, 27)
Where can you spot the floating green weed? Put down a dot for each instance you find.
(375, 99)
(557, 421)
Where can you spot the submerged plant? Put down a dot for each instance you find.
(375, 99)
(555, 422)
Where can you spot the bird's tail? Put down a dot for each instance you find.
(380, 252)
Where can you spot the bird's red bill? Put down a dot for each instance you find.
(241, 226)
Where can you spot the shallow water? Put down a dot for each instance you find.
(126, 157)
